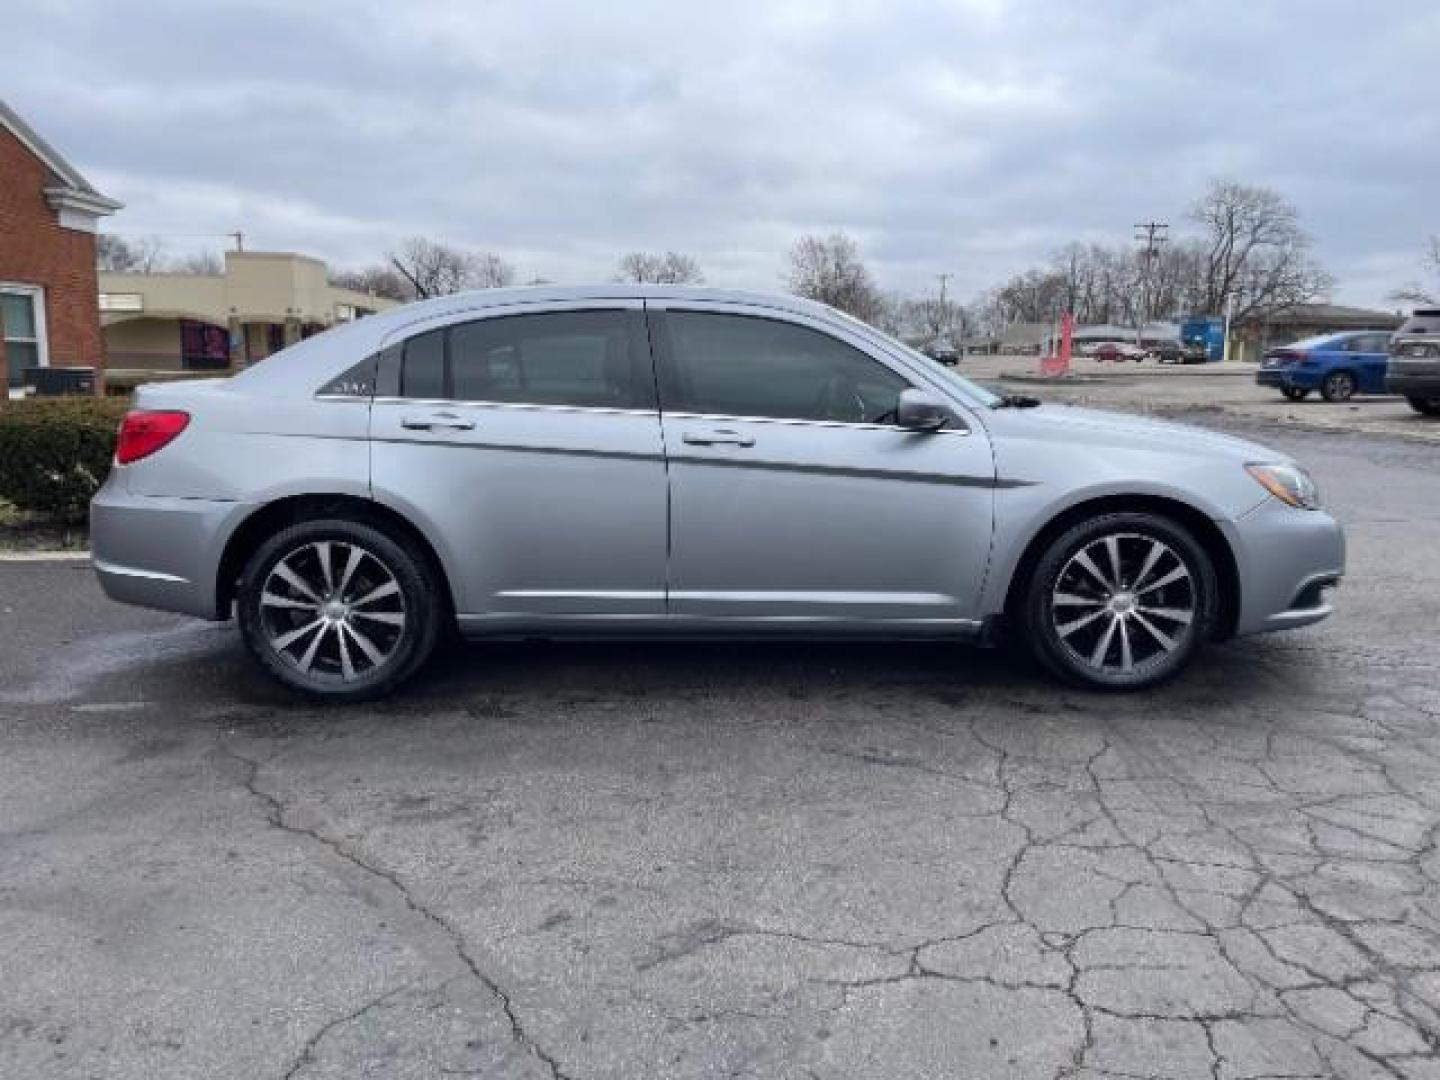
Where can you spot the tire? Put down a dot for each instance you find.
(1073, 614)
(1425, 406)
(1295, 393)
(375, 611)
(1338, 386)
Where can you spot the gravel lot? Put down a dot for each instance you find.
(677, 861)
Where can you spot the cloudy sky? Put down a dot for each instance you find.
(971, 137)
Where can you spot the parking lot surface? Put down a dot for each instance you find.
(685, 860)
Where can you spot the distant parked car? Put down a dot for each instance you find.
(1338, 365)
(1415, 362)
(943, 351)
(1172, 352)
(1117, 351)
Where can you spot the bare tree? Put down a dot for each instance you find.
(198, 262)
(929, 317)
(671, 268)
(1416, 293)
(490, 271)
(376, 280)
(434, 269)
(115, 254)
(829, 269)
(1256, 256)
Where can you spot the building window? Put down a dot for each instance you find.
(203, 347)
(22, 311)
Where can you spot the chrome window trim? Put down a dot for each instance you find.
(519, 406)
(721, 418)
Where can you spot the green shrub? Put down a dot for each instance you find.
(56, 452)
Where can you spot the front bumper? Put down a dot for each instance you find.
(1288, 561)
(160, 552)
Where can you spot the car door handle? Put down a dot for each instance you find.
(430, 421)
(717, 437)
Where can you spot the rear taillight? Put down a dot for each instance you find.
(143, 431)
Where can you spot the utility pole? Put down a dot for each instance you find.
(1152, 235)
(239, 238)
(942, 316)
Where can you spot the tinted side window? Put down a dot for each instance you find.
(741, 365)
(422, 372)
(583, 358)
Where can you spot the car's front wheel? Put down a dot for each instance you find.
(1121, 601)
(1425, 406)
(339, 609)
(1295, 393)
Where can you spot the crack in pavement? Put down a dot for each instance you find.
(306, 1056)
(275, 811)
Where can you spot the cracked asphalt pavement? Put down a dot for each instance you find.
(683, 860)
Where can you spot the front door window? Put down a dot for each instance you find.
(744, 366)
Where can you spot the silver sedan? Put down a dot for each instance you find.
(630, 460)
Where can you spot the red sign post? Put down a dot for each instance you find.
(1059, 364)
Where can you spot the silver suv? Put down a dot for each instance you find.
(1414, 368)
(642, 460)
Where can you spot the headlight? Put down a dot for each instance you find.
(1288, 483)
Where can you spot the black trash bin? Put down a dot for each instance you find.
(60, 381)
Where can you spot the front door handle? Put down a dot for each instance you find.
(430, 421)
(717, 437)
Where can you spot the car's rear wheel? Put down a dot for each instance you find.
(1295, 393)
(339, 609)
(1425, 406)
(1338, 386)
(1121, 601)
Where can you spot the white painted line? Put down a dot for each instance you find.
(44, 556)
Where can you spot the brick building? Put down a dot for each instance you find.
(48, 286)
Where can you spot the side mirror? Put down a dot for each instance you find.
(918, 411)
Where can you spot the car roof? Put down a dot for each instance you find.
(1316, 340)
(298, 366)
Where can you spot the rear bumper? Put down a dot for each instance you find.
(1419, 385)
(1283, 378)
(160, 552)
(1288, 561)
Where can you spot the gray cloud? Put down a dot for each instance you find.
(970, 137)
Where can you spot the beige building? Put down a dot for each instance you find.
(262, 302)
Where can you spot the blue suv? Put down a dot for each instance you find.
(1337, 365)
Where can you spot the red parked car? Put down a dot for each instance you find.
(1119, 350)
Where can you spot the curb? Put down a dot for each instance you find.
(43, 556)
